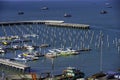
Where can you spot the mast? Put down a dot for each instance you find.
(101, 43)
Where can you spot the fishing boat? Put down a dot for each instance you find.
(73, 73)
(70, 73)
(67, 15)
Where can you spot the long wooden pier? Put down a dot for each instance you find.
(69, 25)
(55, 23)
(16, 65)
(29, 22)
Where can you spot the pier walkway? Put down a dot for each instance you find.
(69, 25)
(11, 64)
(29, 22)
(56, 23)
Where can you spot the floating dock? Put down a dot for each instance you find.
(29, 22)
(69, 25)
(15, 65)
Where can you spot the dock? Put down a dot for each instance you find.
(55, 23)
(15, 65)
(29, 22)
(69, 25)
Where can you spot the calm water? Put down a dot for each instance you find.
(84, 12)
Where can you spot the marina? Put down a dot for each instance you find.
(52, 41)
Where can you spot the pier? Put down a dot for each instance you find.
(55, 23)
(29, 22)
(11, 64)
(69, 25)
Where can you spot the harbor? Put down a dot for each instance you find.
(44, 40)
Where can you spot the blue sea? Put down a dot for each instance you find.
(83, 12)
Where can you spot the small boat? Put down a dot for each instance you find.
(20, 13)
(73, 52)
(32, 56)
(28, 47)
(103, 12)
(44, 8)
(100, 75)
(52, 53)
(22, 59)
(16, 47)
(67, 15)
(2, 50)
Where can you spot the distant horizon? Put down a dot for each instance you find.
(56, 0)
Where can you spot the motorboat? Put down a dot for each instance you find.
(67, 15)
(28, 47)
(22, 59)
(44, 8)
(73, 52)
(2, 50)
(73, 73)
(52, 53)
(20, 13)
(29, 55)
(103, 12)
